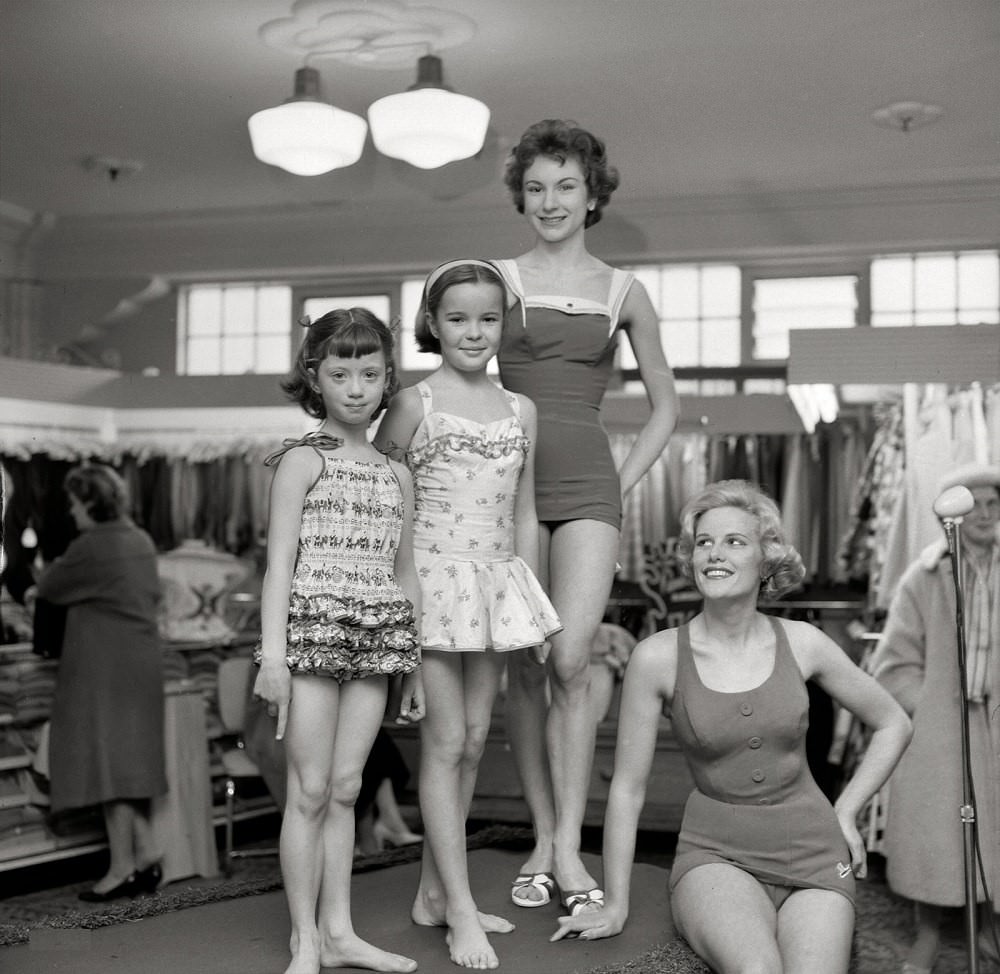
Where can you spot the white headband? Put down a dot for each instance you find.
(510, 297)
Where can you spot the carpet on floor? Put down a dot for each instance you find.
(884, 922)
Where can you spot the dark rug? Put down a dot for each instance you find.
(884, 922)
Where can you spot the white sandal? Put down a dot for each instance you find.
(544, 883)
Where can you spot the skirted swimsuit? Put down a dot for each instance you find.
(755, 804)
(347, 616)
(477, 593)
(559, 351)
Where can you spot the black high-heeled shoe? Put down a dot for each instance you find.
(148, 880)
(127, 887)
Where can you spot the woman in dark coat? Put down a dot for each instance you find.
(106, 745)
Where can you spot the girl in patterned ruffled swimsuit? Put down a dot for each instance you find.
(338, 608)
(469, 445)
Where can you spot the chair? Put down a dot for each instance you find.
(233, 692)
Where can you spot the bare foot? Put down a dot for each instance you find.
(429, 911)
(305, 955)
(468, 944)
(352, 951)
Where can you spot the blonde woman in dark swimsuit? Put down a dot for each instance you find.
(763, 877)
(558, 349)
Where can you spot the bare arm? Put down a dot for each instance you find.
(824, 661)
(525, 515)
(400, 422)
(643, 328)
(411, 706)
(296, 473)
(648, 685)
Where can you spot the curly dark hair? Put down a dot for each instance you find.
(463, 272)
(99, 489)
(347, 333)
(782, 570)
(562, 139)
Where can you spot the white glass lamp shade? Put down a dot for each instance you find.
(306, 136)
(428, 126)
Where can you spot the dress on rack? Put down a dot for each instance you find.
(347, 617)
(559, 351)
(477, 593)
(755, 804)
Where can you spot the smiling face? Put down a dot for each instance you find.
(556, 198)
(351, 388)
(468, 324)
(727, 555)
(979, 526)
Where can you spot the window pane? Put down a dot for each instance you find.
(409, 304)
(765, 386)
(886, 319)
(681, 342)
(274, 310)
(237, 355)
(377, 304)
(935, 281)
(238, 306)
(979, 317)
(720, 292)
(680, 292)
(782, 304)
(274, 354)
(626, 358)
(203, 356)
(204, 311)
(720, 340)
(978, 281)
(891, 284)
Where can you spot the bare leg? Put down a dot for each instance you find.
(581, 565)
(728, 919)
(460, 689)
(814, 932)
(362, 704)
(527, 709)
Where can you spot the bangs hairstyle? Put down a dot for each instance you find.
(561, 140)
(782, 570)
(471, 272)
(99, 489)
(345, 333)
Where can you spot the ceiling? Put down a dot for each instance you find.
(694, 97)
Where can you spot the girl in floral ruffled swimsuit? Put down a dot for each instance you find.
(469, 445)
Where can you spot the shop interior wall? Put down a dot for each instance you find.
(89, 266)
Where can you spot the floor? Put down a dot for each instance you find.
(250, 935)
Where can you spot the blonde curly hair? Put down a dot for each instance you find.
(782, 570)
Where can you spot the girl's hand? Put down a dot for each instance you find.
(274, 686)
(540, 653)
(590, 925)
(412, 706)
(859, 855)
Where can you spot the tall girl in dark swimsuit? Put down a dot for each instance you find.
(558, 349)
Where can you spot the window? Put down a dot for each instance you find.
(230, 329)
(699, 309)
(936, 289)
(783, 303)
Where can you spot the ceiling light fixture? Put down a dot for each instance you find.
(905, 116)
(428, 125)
(306, 135)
